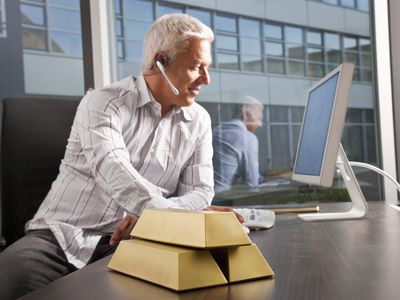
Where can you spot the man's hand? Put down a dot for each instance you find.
(122, 232)
(225, 208)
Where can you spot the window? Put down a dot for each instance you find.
(273, 61)
(3, 23)
(295, 50)
(51, 43)
(53, 26)
(250, 41)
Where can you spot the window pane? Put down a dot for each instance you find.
(64, 19)
(134, 51)
(331, 1)
(295, 51)
(274, 49)
(280, 146)
(203, 16)
(365, 60)
(67, 43)
(250, 46)
(369, 115)
(332, 41)
(273, 31)
(118, 27)
(365, 45)
(227, 42)
(278, 113)
(349, 3)
(371, 158)
(297, 113)
(117, 7)
(294, 34)
(252, 63)
(249, 28)
(296, 68)
(32, 15)
(33, 39)
(228, 61)
(165, 9)
(226, 24)
(363, 5)
(66, 3)
(136, 29)
(334, 56)
(315, 70)
(140, 10)
(314, 38)
(315, 54)
(349, 43)
(120, 49)
(275, 66)
(354, 115)
(366, 75)
(350, 57)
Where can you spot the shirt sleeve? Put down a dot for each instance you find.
(251, 164)
(100, 123)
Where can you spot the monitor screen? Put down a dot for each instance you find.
(322, 127)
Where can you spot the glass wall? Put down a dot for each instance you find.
(273, 56)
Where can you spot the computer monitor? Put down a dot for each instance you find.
(319, 149)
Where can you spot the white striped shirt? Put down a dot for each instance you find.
(122, 157)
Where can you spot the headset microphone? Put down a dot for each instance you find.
(161, 68)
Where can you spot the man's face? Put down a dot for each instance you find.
(188, 71)
(254, 120)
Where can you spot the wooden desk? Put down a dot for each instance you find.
(324, 260)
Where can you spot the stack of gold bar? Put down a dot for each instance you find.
(184, 250)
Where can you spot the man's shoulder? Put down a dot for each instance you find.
(117, 91)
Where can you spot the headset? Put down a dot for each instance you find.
(159, 64)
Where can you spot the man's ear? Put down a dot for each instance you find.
(162, 58)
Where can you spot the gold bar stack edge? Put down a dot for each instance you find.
(184, 250)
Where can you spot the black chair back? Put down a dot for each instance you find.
(34, 133)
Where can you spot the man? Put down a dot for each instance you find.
(133, 145)
(236, 147)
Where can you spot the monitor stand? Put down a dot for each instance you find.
(359, 206)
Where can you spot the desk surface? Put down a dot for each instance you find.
(320, 260)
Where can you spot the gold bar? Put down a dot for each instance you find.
(198, 229)
(174, 267)
(242, 263)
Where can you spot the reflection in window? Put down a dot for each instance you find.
(228, 61)
(34, 39)
(64, 19)
(56, 21)
(249, 28)
(3, 23)
(65, 3)
(167, 9)
(227, 42)
(139, 10)
(202, 15)
(32, 15)
(252, 63)
(225, 23)
(67, 43)
(273, 31)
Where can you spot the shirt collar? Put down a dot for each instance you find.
(147, 97)
(143, 90)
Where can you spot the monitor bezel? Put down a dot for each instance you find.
(335, 128)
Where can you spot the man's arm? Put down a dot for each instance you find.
(251, 162)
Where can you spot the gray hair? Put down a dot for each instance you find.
(250, 106)
(171, 34)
